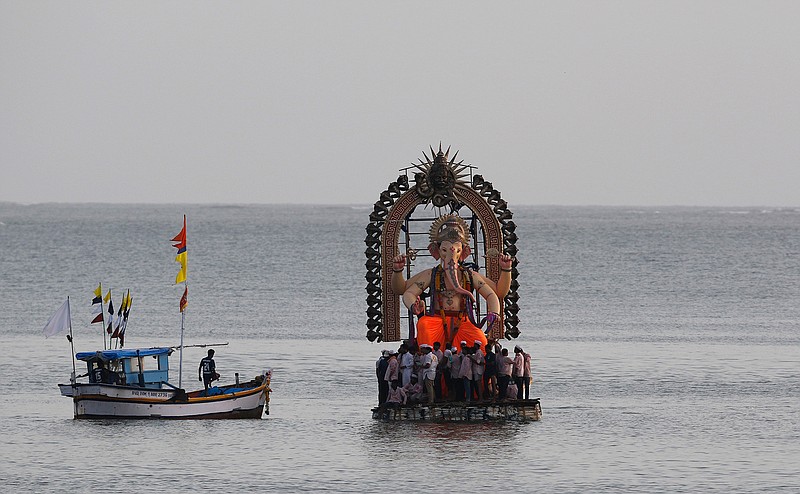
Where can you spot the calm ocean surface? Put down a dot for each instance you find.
(666, 349)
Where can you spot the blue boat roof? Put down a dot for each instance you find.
(123, 353)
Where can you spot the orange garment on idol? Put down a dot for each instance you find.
(430, 329)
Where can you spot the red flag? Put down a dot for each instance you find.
(181, 238)
(97, 318)
(184, 298)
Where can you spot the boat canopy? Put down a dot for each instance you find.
(126, 353)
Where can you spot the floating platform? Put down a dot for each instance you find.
(483, 411)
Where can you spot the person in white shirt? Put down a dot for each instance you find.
(455, 375)
(504, 369)
(406, 361)
(429, 364)
(466, 372)
(477, 370)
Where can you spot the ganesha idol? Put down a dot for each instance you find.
(450, 318)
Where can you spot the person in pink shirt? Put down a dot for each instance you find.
(397, 396)
(527, 378)
(393, 369)
(519, 369)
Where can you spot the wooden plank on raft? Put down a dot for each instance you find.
(513, 410)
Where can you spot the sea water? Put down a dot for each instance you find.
(665, 344)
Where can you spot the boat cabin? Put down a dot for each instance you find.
(144, 367)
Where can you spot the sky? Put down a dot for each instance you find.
(645, 103)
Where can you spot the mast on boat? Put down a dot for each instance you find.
(181, 278)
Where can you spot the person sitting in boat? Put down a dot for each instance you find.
(208, 369)
(451, 315)
(511, 391)
(99, 373)
(413, 390)
(397, 396)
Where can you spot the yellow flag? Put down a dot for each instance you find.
(181, 258)
(108, 296)
(98, 291)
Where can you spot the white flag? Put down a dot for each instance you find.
(60, 322)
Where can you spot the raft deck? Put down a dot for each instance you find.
(483, 411)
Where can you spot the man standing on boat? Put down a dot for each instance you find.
(505, 365)
(380, 372)
(519, 369)
(429, 364)
(208, 368)
(406, 361)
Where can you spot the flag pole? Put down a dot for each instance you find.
(181, 246)
(180, 358)
(102, 316)
(71, 345)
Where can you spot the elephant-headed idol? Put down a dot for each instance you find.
(450, 318)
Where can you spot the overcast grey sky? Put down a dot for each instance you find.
(606, 103)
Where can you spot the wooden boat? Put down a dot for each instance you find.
(134, 384)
